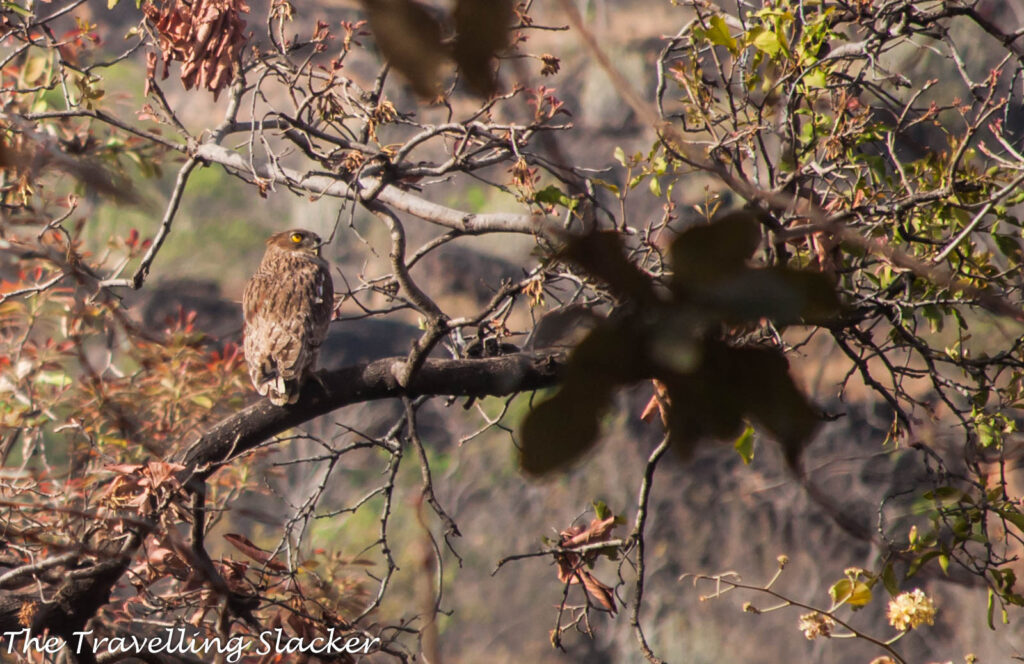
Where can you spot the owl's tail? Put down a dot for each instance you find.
(269, 383)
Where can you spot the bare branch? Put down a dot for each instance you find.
(317, 183)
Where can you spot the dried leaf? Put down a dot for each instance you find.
(599, 530)
(243, 544)
(166, 562)
(161, 473)
(598, 591)
(658, 403)
(206, 36)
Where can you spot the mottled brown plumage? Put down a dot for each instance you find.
(287, 306)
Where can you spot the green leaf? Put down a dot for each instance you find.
(655, 187)
(57, 378)
(112, 3)
(815, 79)
(34, 69)
(919, 562)
(17, 9)
(768, 42)
(604, 184)
(620, 155)
(551, 195)
(944, 493)
(202, 401)
(853, 593)
(1009, 247)
(718, 34)
(1013, 516)
(988, 436)
(806, 135)
(934, 317)
(889, 580)
(744, 445)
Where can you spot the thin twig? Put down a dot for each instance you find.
(638, 536)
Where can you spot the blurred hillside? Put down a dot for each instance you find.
(709, 514)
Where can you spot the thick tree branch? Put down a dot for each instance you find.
(496, 376)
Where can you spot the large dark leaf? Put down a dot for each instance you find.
(774, 400)
(560, 430)
(707, 253)
(563, 327)
(481, 31)
(702, 405)
(730, 385)
(409, 37)
(783, 295)
(758, 381)
(602, 256)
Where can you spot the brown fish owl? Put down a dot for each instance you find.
(287, 306)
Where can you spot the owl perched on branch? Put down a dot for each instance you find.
(287, 306)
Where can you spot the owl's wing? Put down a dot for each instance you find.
(287, 311)
(261, 331)
(322, 308)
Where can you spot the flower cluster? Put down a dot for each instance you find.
(911, 609)
(816, 624)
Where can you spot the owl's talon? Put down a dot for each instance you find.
(320, 376)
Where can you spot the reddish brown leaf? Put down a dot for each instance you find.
(599, 530)
(243, 544)
(165, 561)
(205, 36)
(601, 593)
(657, 404)
(163, 474)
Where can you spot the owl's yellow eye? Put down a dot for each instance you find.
(296, 238)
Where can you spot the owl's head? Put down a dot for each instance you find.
(297, 239)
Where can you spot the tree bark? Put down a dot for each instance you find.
(495, 376)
